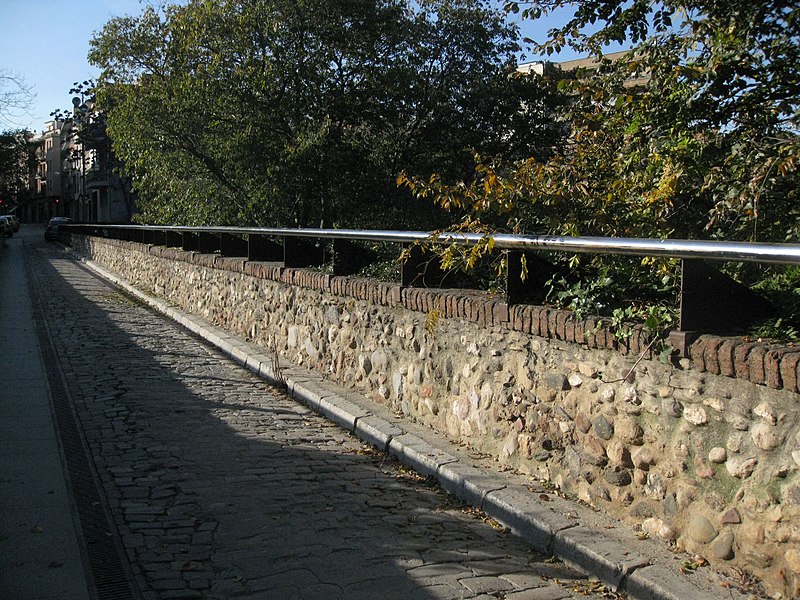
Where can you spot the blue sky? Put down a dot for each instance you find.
(46, 42)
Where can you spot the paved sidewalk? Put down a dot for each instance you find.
(40, 550)
(219, 485)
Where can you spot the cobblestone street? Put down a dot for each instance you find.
(221, 486)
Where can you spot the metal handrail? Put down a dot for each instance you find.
(762, 252)
(709, 300)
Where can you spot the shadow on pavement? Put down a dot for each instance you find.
(221, 486)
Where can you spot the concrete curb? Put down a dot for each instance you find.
(547, 530)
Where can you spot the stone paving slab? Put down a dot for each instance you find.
(644, 568)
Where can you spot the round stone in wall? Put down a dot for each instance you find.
(557, 382)
(718, 455)
(618, 476)
(655, 527)
(765, 436)
(629, 430)
(701, 530)
(332, 315)
(603, 428)
(696, 415)
(792, 558)
(741, 467)
(574, 380)
(722, 547)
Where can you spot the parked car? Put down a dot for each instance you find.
(14, 221)
(7, 227)
(51, 233)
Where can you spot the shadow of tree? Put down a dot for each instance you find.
(221, 486)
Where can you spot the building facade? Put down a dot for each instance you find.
(48, 180)
(72, 174)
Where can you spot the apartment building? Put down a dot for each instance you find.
(48, 178)
(73, 173)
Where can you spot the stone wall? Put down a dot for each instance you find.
(702, 453)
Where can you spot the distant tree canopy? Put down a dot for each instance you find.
(303, 112)
(15, 155)
(88, 140)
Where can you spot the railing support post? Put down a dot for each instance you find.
(712, 302)
(174, 239)
(189, 241)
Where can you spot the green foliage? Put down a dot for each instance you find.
(302, 112)
(655, 319)
(776, 329)
(623, 289)
(691, 134)
(385, 270)
(709, 146)
(584, 297)
(87, 130)
(781, 286)
(620, 303)
(15, 165)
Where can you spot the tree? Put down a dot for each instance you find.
(15, 97)
(90, 148)
(707, 148)
(280, 112)
(15, 166)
